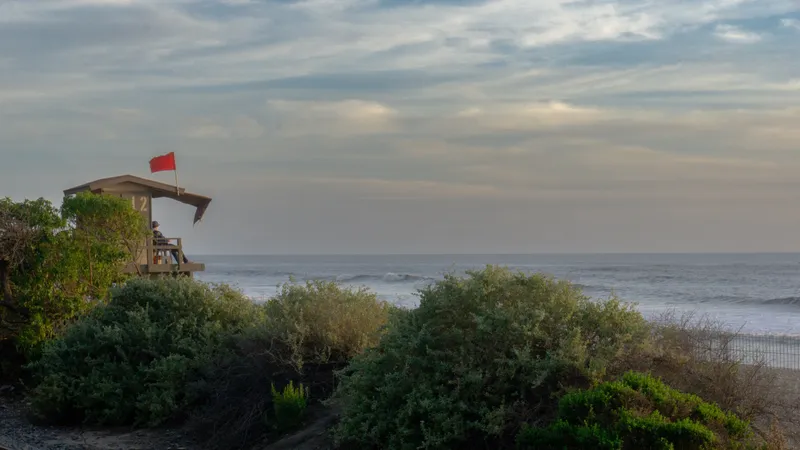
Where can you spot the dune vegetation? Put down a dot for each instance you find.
(494, 359)
(491, 359)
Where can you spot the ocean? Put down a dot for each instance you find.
(756, 293)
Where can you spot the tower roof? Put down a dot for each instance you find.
(155, 188)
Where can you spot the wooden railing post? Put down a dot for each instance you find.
(180, 255)
(155, 251)
(149, 254)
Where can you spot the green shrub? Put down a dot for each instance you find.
(638, 412)
(479, 356)
(289, 405)
(320, 322)
(310, 330)
(136, 360)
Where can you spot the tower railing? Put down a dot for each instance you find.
(157, 258)
(159, 254)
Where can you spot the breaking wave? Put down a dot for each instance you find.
(389, 277)
(783, 301)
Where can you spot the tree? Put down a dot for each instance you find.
(58, 264)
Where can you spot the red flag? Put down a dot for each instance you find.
(162, 163)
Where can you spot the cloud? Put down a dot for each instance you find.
(351, 116)
(734, 34)
(530, 116)
(791, 23)
(236, 128)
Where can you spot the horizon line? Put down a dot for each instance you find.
(797, 252)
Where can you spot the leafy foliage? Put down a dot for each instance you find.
(137, 359)
(69, 261)
(638, 412)
(289, 405)
(479, 356)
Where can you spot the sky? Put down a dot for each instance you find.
(413, 126)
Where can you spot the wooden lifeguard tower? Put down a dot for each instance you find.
(151, 259)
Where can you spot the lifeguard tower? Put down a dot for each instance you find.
(151, 259)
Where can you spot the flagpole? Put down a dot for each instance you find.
(175, 166)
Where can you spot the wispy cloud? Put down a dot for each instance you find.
(731, 33)
(791, 23)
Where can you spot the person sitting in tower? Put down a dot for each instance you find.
(159, 239)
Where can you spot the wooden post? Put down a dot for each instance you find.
(149, 251)
(180, 255)
(177, 189)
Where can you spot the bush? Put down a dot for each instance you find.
(289, 405)
(638, 412)
(137, 360)
(479, 356)
(310, 331)
(320, 322)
